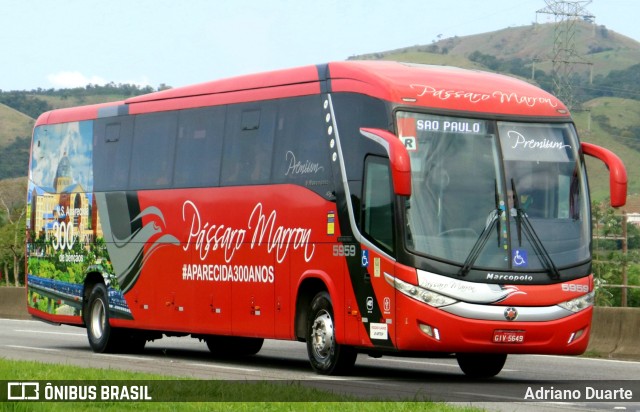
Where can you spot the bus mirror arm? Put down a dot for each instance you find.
(398, 158)
(617, 172)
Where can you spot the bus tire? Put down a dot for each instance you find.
(326, 356)
(224, 346)
(481, 365)
(102, 337)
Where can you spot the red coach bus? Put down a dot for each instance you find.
(360, 207)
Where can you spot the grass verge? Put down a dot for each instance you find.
(220, 393)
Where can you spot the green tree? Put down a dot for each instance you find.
(12, 234)
(609, 259)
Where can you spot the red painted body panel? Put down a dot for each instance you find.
(463, 335)
(251, 82)
(547, 295)
(438, 87)
(224, 98)
(447, 88)
(73, 114)
(65, 319)
(201, 285)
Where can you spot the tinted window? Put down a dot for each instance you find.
(112, 154)
(377, 215)
(198, 152)
(352, 112)
(279, 142)
(301, 154)
(248, 144)
(153, 150)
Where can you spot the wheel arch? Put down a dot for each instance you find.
(310, 284)
(92, 278)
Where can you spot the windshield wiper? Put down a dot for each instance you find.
(492, 220)
(522, 221)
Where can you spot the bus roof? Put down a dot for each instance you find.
(437, 87)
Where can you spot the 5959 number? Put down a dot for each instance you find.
(344, 250)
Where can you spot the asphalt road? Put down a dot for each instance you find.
(390, 377)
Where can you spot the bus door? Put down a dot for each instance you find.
(377, 250)
(385, 178)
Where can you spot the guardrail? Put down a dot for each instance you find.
(616, 333)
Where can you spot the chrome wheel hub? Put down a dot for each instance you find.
(322, 335)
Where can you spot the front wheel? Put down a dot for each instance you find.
(481, 365)
(326, 356)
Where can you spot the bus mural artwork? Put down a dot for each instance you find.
(360, 207)
(66, 236)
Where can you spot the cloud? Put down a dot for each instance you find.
(72, 79)
(65, 80)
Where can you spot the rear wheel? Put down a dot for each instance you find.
(326, 356)
(102, 337)
(481, 365)
(233, 345)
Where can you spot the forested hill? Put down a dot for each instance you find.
(19, 109)
(609, 62)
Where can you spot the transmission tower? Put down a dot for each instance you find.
(564, 56)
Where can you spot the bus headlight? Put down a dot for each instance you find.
(420, 294)
(578, 304)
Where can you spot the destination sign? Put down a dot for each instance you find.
(451, 126)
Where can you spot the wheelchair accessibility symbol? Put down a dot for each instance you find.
(520, 258)
(364, 260)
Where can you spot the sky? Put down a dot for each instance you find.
(71, 43)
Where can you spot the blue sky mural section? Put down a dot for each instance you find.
(52, 143)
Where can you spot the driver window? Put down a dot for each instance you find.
(378, 203)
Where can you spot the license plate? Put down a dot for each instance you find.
(508, 336)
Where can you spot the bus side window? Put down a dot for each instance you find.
(248, 144)
(377, 209)
(199, 147)
(113, 138)
(153, 150)
(301, 150)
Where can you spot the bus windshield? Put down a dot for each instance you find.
(495, 195)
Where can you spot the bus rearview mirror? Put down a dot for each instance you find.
(398, 158)
(617, 172)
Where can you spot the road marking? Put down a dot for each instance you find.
(416, 362)
(327, 378)
(432, 364)
(354, 379)
(32, 348)
(493, 397)
(50, 333)
(20, 320)
(586, 358)
(111, 355)
(207, 365)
